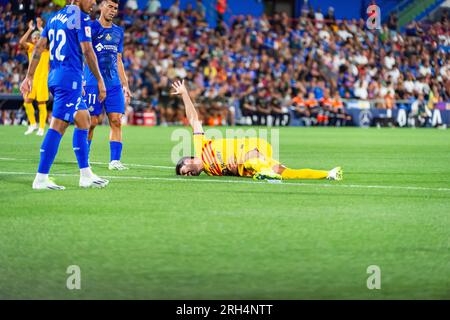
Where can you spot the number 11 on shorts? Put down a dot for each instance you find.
(91, 98)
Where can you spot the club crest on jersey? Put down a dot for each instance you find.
(108, 37)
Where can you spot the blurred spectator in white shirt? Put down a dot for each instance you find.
(154, 7)
(132, 4)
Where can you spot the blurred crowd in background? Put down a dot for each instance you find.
(260, 68)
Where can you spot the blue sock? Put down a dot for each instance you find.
(81, 147)
(115, 149)
(49, 148)
(89, 146)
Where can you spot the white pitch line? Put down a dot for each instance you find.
(95, 162)
(334, 185)
(133, 165)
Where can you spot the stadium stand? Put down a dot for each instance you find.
(312, 70)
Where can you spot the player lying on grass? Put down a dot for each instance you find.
(244, 157)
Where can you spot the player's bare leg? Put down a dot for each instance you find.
(94, 123)
(42, 181)
(87, 178)
(115, 138)
(59, 125)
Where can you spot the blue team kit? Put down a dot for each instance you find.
(65, 31)
(107, 43)
(66, 60)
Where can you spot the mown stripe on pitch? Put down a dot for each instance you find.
(243, 181)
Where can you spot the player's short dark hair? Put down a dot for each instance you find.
(115, 1)
(180, 164)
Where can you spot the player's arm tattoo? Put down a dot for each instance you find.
(36, 55)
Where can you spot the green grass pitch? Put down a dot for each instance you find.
(152, 235)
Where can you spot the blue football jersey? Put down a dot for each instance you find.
(65, 30)
(107, 43)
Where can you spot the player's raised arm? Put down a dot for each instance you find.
(27, 83)
(191, 113)
(23, 42)
(91, 60)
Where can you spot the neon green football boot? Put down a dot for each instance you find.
(267, 175)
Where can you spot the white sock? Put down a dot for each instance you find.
(86, 172)
(41, 177)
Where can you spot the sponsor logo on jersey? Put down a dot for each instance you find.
(99, 47)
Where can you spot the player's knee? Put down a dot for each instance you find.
(278, 168)
(94, 123)
(115, 121)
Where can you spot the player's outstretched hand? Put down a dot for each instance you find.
(26, 85)
(31, 25)
(101, 91)
(179, 88)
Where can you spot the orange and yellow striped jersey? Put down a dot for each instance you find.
(218, 153)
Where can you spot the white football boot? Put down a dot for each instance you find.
(116, 165)
(336, 174)
(30, 129)
(42, 182)
(40, 132)
(90, 180)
